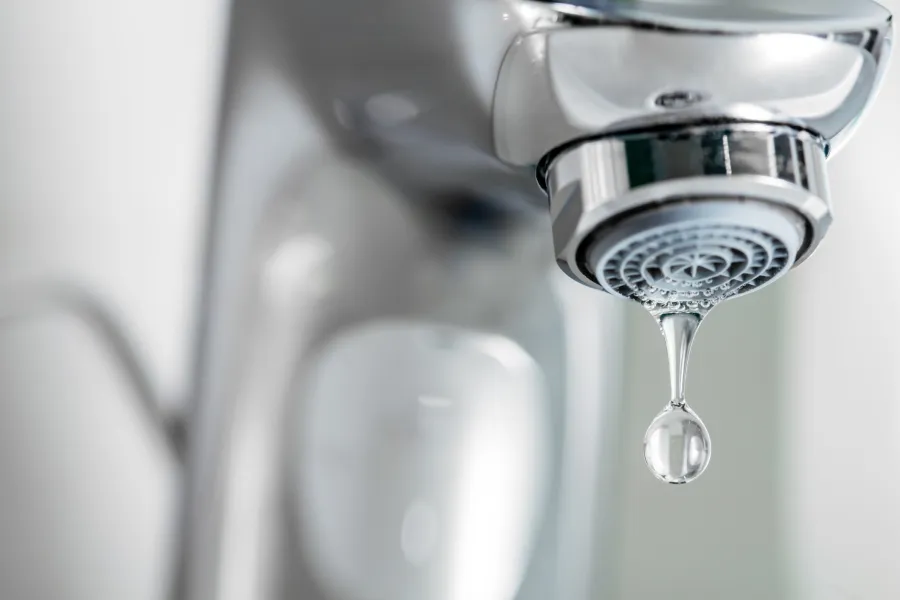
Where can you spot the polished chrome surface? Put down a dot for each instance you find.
(626, 105)
(597, 183)
(579, 72)
(804, 16)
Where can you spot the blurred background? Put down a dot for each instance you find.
(510, 453)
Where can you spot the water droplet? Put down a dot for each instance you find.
(677, 446)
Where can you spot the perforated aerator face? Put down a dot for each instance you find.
(691, 255)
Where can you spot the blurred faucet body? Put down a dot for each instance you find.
(628, 115)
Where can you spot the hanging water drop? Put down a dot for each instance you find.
(677, 446)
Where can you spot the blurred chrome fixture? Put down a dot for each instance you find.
(630, 108)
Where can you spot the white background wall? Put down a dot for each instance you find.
(843, 393)
(105, 116)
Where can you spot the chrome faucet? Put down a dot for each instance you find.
(701, 128)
